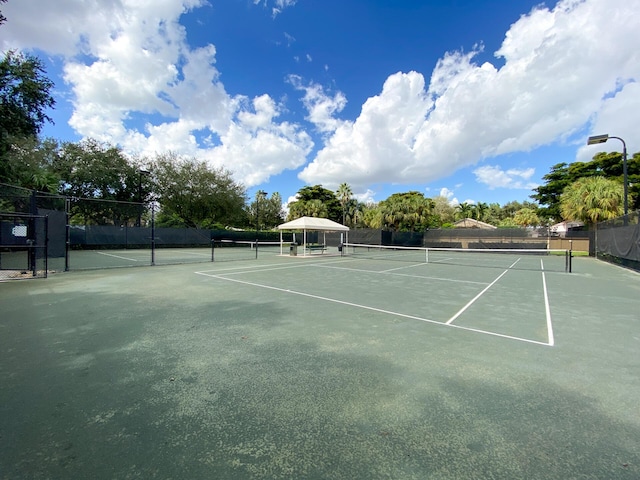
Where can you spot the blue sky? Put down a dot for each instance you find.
(471, 99)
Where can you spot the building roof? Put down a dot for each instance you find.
(471, 223)
(313, 223)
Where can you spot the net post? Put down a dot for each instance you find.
(426, 255)
(213, 247)
(256, 248)
(570, 255)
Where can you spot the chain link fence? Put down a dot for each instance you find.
(618, 241)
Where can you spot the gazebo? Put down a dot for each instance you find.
(316, 224)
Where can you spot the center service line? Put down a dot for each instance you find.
(546, 306)
(480, 294)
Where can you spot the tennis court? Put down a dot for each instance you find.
(358, 367)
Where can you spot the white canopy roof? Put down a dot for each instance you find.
(313, 223)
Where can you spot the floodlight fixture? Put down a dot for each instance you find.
(597, 139)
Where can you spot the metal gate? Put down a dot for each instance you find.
(23, 246)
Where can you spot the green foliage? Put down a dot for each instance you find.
(402, 212)
(32, 164)
(91, 169)
(270, 211)
(24, 97)
(104, 175)
(443, 211)
(463, 210)
(508, 222)
(344, 193)
(198, 195)
(316, 201)
(527, 217)
(608, 165)
(592, 200)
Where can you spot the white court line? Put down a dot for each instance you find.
(365, 307)
(546, 306)
(264, 268)
(480, 294)
(403, 267)
(251, 269)
(402, 274)
(441, 260)
(117, 256)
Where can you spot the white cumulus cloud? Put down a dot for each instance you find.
(563, 68)
(496, 177)
(126, 58)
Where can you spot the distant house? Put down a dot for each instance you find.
(471, 223)
(563, 227)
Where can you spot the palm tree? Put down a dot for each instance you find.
(526, 217)
(464, 210)
(316, 208)
(592, 200)
(480, 210)
(344, 193)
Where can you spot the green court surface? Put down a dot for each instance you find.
(323, 367)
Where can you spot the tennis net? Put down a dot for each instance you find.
(224, 250)
(516, 258)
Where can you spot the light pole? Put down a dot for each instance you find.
(259, 194)
(602, 139)
(140, 173)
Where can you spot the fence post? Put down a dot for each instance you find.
(32, 236)
(153, 235)
(46, 246)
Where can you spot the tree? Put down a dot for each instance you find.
(494, 214)
(608, 165)
(464, 210)
(24, 97)
(355, 213)
(305, 205)
(443, 211)
(32, 163)
(270, 210)
(526, 217)
(197, 195)
(103, 175)
(407, 212)
(592, 200)
(344, 193)
(479, 211)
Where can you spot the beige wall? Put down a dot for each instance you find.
(555, 243)
(575, 244)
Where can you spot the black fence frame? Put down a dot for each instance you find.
(26, 233)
